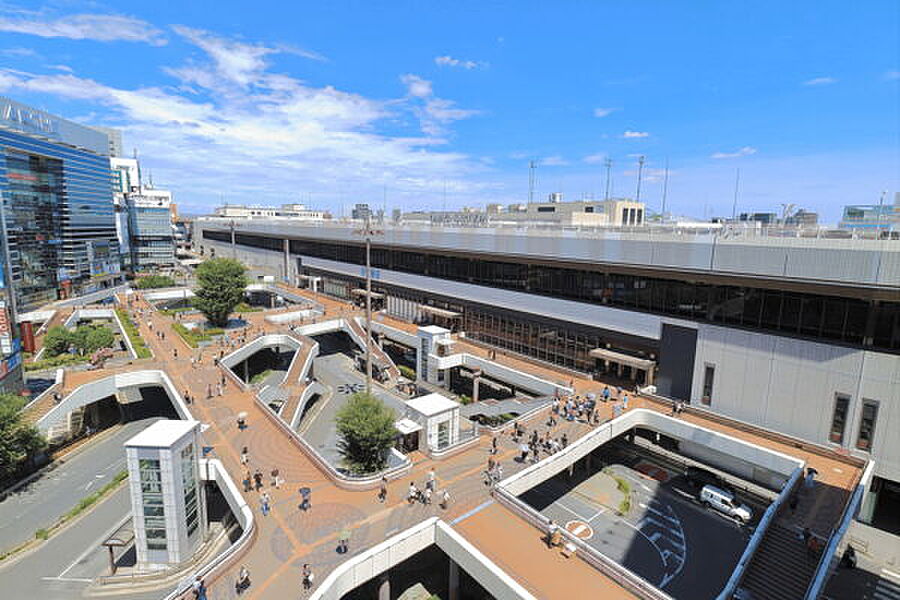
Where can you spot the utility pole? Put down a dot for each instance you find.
(878, 217)
(737, 183)
(665, 188)
(233, 247)
(608, 164)
(368, 232)
(531, 167)
(637, 196)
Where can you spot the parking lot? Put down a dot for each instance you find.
(666, 536)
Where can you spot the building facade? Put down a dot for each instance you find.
(60, 227)
(144, 219)
(872, 217)
(798, 335)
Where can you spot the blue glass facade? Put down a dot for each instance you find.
(60, 219)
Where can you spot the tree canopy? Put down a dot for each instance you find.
(18, 440)
(366, 427)
(85, 338)
(154, 281)
(221, 287)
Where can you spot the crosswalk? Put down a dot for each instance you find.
(885, 589)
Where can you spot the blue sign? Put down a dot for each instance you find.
(376, 273)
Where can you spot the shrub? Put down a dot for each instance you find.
(41, 534)
(57, 340)
(407, 372)
(131, 330)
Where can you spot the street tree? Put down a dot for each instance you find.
(18, 440)
(366, 427)
(222, 282)
(57, 340)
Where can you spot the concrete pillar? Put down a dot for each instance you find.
(246, 372)
(651, 375)
(476, 379)
(619, 369)
(633, 373)
(384, 587)
(453, 585)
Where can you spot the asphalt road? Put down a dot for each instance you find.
(41, 502)
(62, 567)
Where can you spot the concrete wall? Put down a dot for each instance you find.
(789, 385)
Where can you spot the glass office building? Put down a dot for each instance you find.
(58, 212)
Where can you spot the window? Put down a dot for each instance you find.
(154, 512)
(839, 418)
(546, 209)
(709, 375)
(867, 425)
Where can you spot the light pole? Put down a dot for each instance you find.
(368, 232)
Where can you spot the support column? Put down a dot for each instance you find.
(384, 587)
(246, 372)
(453, 584)
(476, 379)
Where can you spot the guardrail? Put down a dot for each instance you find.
(347, 482)
(753, 545)
(629, 580)
(469, 441)
(837, 534)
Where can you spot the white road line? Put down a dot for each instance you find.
(73, 579)
(567, 509)
(88, 486)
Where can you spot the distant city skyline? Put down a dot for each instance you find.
(421, 107)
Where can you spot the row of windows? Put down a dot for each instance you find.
(809, 315)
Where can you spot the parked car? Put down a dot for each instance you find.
(698, 477)
(725, 502)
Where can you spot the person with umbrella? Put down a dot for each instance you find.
(306, 496)
(242, 420)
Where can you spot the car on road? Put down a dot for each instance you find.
(698, 477)
(725, 502)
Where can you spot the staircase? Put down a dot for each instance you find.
(381, 355)
(781, 569)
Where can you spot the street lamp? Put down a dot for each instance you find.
(368, 232)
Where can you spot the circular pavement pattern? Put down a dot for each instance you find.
(580, 529)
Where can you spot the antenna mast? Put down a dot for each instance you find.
(665, 188)
(531, 167)
(637, 196)
(608, 164)
(737, 182)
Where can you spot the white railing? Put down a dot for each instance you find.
(761, 528)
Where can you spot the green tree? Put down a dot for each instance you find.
(366, 427)
(154, 281)
(98, 337)
(221, 287)
(57, 340)
(18, 440)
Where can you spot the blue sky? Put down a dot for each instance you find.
(443, 104)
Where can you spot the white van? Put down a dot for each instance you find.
(725, 503)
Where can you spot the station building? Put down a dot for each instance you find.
(797, 335)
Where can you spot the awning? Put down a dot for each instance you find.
(362, 292)
(407, 426)
(623, 359)
(440, 312)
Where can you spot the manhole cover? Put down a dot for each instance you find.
(579, 529)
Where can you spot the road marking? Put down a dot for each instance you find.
(88, 486)
(73, 579)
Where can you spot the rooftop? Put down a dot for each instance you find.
(432, 404)
(162, 434)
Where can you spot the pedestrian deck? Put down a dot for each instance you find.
(287, 538)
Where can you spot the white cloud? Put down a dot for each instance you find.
(603, 112)
(892, 75)
(101, 28)
(745, 151)
(820, 81)
(20, 52)
(631, 135)
(449, 61)
(416, 86)
(434, 113)
(593, 159)
(554, 161)
(235, 126)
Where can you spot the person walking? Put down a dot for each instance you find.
(245, 456)
(494, 445)
(431, 481)
(264, 501)
(275, 479)
(445, 499)
(199, 587)
(257, 479)
(552, 529)
(382, 489)
(307, 576)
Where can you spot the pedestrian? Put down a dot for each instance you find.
(426, 496)
(307, 576)
(564, 440)
(275, 479)
(625, 402)
(199, 588)
(445, 499)
(245, 455)
(431, 480)
(208, 391)
(382, 489)
(494, 445)
(524, 452)
(306, 498)
(552, 530)
(412, 494)
(264, 503)
(248, 480)
(257, 478)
